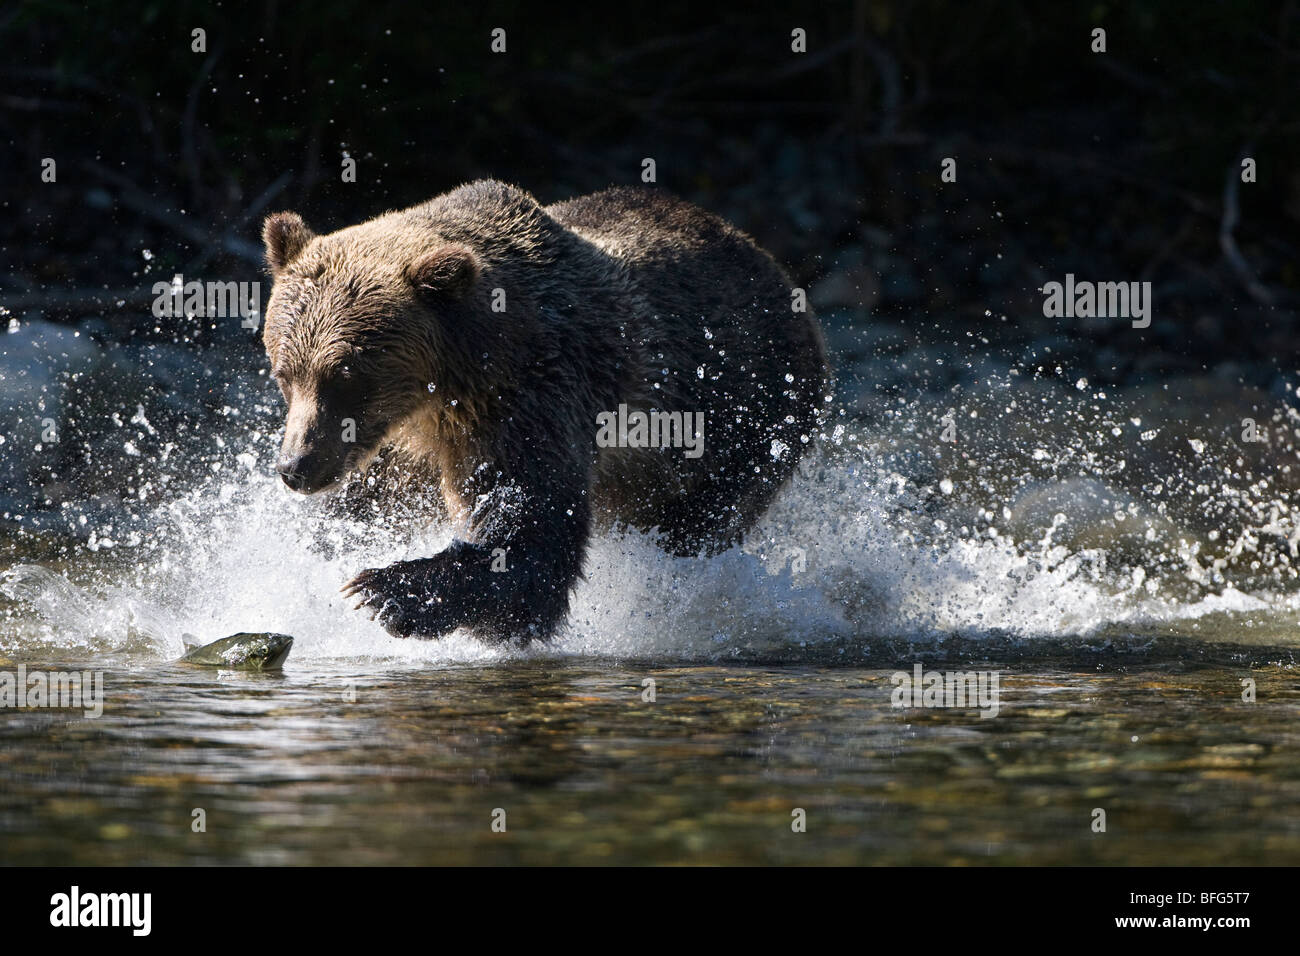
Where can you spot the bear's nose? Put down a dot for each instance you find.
(290, 470)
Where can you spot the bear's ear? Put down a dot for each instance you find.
(285, 236)
(449, 271)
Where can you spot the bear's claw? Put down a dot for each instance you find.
(361, 582)
(458, 587)
(403, 597)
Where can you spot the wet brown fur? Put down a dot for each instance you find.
(622, 296)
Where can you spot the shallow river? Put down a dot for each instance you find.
(413, 766)
(1126, 574)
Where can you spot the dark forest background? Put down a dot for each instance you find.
(1108, 165)
(1120, 166)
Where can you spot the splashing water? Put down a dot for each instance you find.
(1016, 538)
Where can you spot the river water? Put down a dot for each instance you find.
(1121, 564)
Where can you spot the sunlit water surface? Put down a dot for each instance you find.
(1133, 592)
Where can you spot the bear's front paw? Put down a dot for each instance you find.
(404, 598)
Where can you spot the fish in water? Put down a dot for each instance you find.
(251, 652)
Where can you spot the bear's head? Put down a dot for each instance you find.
(356, 333)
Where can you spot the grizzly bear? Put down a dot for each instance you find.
(620, 359)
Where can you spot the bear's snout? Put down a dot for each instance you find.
(293, 473)
(312, 458)
(311, 472)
